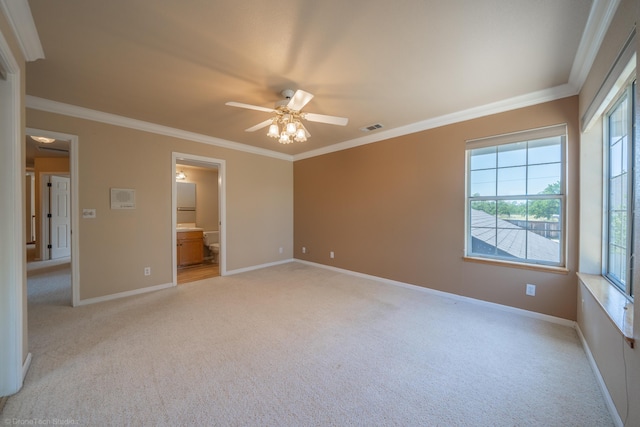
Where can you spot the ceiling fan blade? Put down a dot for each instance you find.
(259, 126)
(249, 106)
(299, 100)
(321, 118)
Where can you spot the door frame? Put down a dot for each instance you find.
(13, 349)
(222, 207)
(75, 216)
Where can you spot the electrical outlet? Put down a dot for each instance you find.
(147, 271)
(331, 254)
(280, 250)
(531, 290)
(304, 250)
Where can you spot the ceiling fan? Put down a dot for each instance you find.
(287, 125)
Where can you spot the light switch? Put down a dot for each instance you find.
(88, 213)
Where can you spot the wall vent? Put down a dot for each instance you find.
(369, 128)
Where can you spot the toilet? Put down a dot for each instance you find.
(212, 241)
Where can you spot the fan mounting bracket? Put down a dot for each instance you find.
(288, 93)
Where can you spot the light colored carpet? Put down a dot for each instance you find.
(296, 345)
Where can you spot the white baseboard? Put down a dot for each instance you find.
(527, 313)
(603, 387)
(169, 285)
(125, 294)
(258, 267)
(25, 366)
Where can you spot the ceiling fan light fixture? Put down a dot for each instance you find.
(274, 131)
(284, 138)
(286, 124)
(301, 135)
(291, 128)
(180, 175)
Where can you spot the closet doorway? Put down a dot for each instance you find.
(198, 212)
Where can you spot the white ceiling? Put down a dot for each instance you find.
(398, 63)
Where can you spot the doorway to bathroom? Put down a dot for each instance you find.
(51, 198)
(198, 218)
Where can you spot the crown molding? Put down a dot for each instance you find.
(534, 98)
(600, 17)
(527, 100)
(18, 14)
(42, 104)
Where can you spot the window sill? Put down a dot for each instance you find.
(535, 267)
(617, 307)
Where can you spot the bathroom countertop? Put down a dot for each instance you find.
(185, 229)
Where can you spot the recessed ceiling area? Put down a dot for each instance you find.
(176, 64)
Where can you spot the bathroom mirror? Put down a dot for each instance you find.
(186, 196)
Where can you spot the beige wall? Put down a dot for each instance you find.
(117, 245)
(43, 166)
(618, 364)
(395, 209)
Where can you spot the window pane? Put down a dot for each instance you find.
(544, 218)
(514, 211)
(543, 249)
(512, 243)
(545, 230)
(483, 183)
(618, 193)
(617, 265)
(483, 213)
(483, 241)
(512, 155)
(616, 159)
(618, 121)
(544, 210)
(544, 179)
(483, 227)
(512, 181)
(618, 228)
(483, 158)
(547, 150)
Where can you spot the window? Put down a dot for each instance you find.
(515, 197)
(619, 186)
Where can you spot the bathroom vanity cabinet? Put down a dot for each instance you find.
(190, 248)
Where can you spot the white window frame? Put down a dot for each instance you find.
(528, 135)
(626, 284)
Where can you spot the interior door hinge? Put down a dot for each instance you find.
(49, 184)
(48, 215)
(49, 246)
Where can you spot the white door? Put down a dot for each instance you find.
(60, 200)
